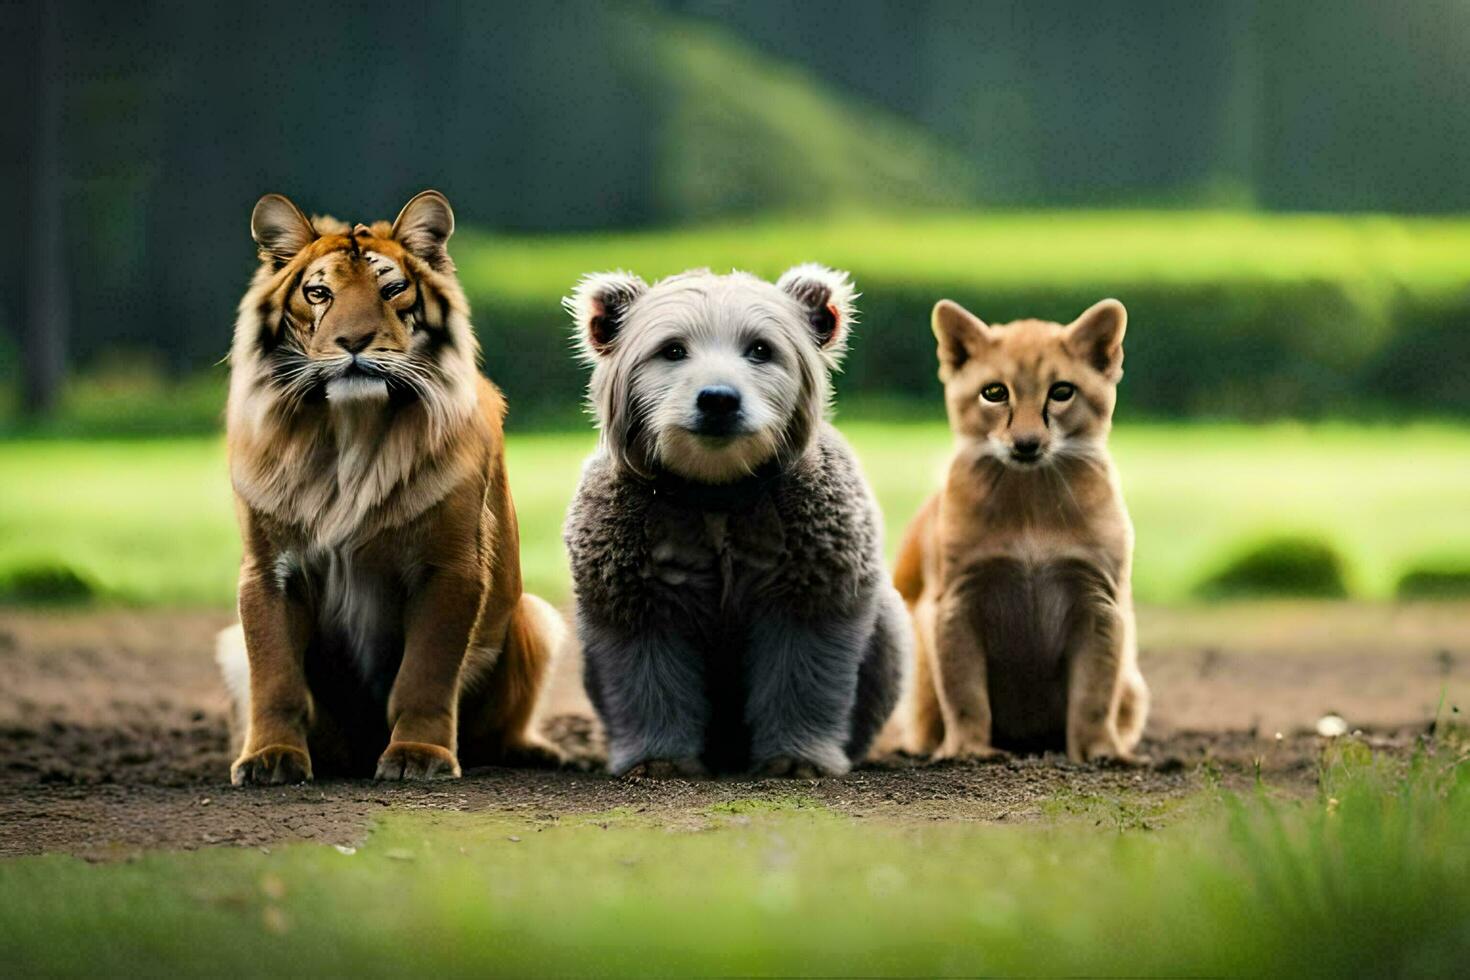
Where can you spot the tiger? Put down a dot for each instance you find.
(382, 629)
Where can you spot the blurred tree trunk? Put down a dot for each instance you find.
(46, 320)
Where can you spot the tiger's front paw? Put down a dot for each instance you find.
(416, 760)
(274, 765)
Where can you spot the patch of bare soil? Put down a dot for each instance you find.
(113, 737)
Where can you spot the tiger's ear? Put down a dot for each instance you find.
(961, 335)
(599, 308)
(825, 297)
(424, 226)
(1097, 337)
(279, 229)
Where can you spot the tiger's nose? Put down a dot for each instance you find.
(354, 345)
(718, 400)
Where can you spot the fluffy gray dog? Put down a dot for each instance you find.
(726, 550)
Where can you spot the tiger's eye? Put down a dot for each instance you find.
(1062, 391)
(393, 289)
(316, 294)
(994, 392)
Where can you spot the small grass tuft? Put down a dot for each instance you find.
(1289, 566)
(45, 584)
(1437, 580)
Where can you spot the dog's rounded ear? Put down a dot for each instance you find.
(280, 229)
(961, 335)
(424, 226)
(825, 297)
(1097, 337)
(599, 308)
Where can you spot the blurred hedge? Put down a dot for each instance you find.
(1231, 315)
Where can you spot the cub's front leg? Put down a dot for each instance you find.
(277, 629)
(423, 707)
(802, 683)
(961, 682)
(648, 690)
(1095, 688)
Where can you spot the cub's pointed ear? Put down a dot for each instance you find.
(279, 229)
(1097, 337)
(599, 307)
(961, 335)
(424, 226)
(825, 297)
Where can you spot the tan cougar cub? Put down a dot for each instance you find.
(1017, 573)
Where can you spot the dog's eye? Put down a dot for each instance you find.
(994, 392)
(673, 352)
(393, 289)
(1061, 391)
(316, 294)
(759, 352)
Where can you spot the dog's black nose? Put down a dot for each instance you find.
(718, 400)
(1026, 448)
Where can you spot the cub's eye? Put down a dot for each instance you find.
(1061, 391)
(759, 352)
(316, 294)
(673, 352)
(994, 392)
(393, 289)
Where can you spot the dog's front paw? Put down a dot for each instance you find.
(274, 765)
(686, 768)
(416, 760)
(813, 766)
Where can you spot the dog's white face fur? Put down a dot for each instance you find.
(710, 377)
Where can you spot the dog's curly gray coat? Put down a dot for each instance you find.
(749, 624)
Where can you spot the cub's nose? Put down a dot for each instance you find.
(1026, 450)
(718, 400)
(353, 345)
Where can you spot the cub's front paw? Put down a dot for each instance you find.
(1106, 754)
(667, 769)
(821, 764)
(274, 765)
(971, 750)
(416, 760)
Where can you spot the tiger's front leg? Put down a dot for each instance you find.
(423, 708)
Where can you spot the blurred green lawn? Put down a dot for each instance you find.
(1371, 878)
(151, 521)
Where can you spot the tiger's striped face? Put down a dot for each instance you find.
(354, 315)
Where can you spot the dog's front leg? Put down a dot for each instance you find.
(423, 708)
(649, 691)
(801, 686)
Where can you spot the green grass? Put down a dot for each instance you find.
(151, 521)
(1372, 877)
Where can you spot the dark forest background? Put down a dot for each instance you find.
(140, 133)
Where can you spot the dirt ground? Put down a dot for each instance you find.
(113, 734)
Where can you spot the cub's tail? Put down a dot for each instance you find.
(908, 567)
